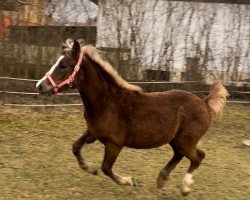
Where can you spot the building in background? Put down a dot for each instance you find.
(15, 13)
(30, 34)
(144, 40)
(168, 35)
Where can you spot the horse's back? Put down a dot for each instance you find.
(179, 98)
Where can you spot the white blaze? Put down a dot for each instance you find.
(50, 71)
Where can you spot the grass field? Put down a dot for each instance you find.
(36, 162)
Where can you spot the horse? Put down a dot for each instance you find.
(120, 114)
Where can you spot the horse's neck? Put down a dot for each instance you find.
(92, 89)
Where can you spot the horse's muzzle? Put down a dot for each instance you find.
(44, 90)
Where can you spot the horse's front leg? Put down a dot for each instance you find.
(111, 152)
(86, 138)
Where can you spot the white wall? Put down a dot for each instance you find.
(158, 31)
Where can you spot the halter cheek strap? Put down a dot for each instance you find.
(68, 80)
(55, 87)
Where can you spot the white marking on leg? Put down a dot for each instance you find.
(124, 180)
(186, 183)
(50, 71)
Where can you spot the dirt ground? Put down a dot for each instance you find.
(36, 162)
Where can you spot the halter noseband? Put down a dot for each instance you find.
(68, 80)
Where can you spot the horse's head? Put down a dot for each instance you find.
(61, 75)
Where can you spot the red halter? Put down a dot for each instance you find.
(68, 80)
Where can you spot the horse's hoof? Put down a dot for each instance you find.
(92, 171)
(246, 142)
(186, 184)
(161, 182)
(184, 193)
(127, 181)
(134, 182)
(88, 168)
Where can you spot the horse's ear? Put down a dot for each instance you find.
(76, 49)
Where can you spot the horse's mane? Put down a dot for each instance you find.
(95, 56)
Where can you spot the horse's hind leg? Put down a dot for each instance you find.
(86, 138)
(164, 174)
(195, 156)
(111, 152)
(186, 143)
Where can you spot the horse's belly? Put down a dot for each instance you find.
(152, 130)
(145, 139)
(147, 144)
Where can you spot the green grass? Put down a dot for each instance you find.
(36, 160)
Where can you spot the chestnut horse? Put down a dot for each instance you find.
(119, 114)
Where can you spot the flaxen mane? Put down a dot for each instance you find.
(94, 55)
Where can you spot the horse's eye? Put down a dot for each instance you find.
(62, 66)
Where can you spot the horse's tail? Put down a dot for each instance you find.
(216, 99)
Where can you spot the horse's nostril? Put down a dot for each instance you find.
(39, 88)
